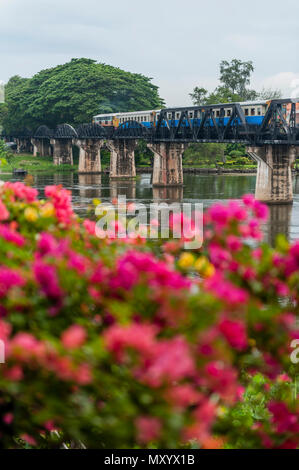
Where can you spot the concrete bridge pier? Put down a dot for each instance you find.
(274, 183)
(62, 151)
(122, 158)
(90, 155)
(41, 147)
(168, 163)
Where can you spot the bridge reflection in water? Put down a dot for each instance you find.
(278, 223)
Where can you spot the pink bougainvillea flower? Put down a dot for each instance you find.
(233, 243)
(11, 235)
(183, 395)
(148, 429)
(9, 278)
(74, 337)
(136, 336)
(21, 191)
(61, 199)
(235, 333)
(47, 277)
(4, 214)
(226, 290)
(283, 419)
(170, 361)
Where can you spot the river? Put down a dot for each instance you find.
(206, 189)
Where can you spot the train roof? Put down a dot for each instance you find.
(241, 103)
(129, 112)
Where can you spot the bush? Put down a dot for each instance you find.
(122, 343)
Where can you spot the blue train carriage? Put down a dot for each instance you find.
(254, 112)
(146, 118)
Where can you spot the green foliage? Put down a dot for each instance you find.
(5, 154)
(214, 155)
(199, 96)
(269, 94)
(234, 82)
(235, 76)
(73, 93)
(143, 155)
(205, 154)
(30, 163)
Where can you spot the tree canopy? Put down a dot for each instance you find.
(73, 93)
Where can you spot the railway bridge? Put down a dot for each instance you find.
(273, 144)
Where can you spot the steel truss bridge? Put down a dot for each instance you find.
(275, 128)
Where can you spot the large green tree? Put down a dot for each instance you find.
(235, 76)
(74, 92)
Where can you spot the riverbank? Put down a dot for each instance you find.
(199, 170)
(45, 165)
(33, 164)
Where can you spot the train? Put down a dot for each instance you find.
(254, 112)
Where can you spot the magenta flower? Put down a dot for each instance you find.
(46, 276)
(235, 333)
(9, 278)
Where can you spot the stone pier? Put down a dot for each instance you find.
(274, 183)
(168, 163)
(41, 147)
(90, 155)
(62, 151)
(122, 158)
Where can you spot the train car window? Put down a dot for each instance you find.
(217, 113)
(252, 111)
(178, 115)
(191, 115)
(229, 113)
(246, 111)
(145, 118)
(195, 114)
(259, 111)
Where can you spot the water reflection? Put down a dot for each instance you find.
(279, 222)
(172, 194)
(90, 186)
(60, 178)
(123, 188)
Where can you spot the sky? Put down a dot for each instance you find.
(179, 43)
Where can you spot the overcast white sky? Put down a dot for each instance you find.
(179, 43)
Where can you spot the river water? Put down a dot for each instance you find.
(206, 189)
